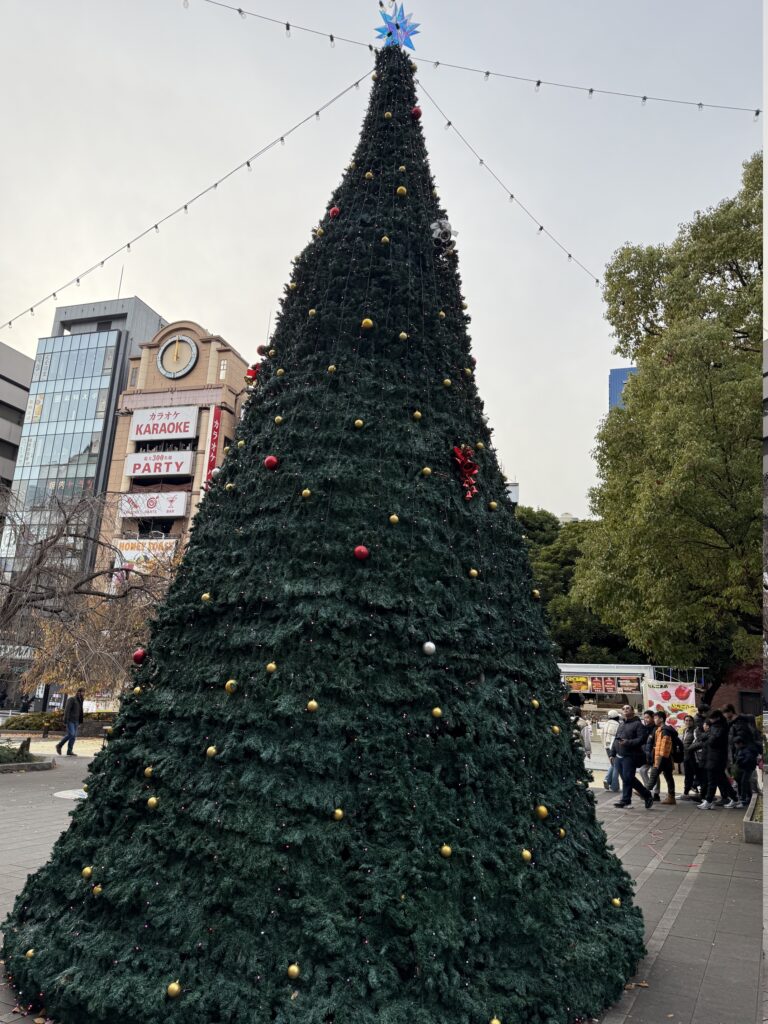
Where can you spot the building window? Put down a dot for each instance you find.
(133, 377)
(104, 325)
(223, 369)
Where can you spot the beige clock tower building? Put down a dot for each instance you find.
(175, 417)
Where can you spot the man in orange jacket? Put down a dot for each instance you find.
(662, 756)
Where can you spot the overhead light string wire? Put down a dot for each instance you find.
(537, 83)
(184, 207)
(512, 196)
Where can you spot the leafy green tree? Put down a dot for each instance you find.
(674, 561)
(347, 790)
(539, 527)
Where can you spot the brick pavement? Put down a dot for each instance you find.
(698, 884)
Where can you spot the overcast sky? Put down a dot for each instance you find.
(116, 111)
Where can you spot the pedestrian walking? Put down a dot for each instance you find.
(663, 746)
(744, 728)
(745, 759)
(691, 775)
(628, 750)
(716, 760)
(612, 778)
(645, 768)
(73, 718)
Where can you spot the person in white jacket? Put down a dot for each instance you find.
(612, 780)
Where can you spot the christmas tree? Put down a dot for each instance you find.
(346, 788)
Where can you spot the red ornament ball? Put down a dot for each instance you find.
(262, 349)
(271, 462)
(139, 655)
(361, 552)
(334, 212)
(415, 113)
(252, 373)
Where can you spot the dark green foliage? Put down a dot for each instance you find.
(241, 870)
(54, 720)
(15, 755)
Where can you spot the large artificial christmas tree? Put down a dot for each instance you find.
(346, 788)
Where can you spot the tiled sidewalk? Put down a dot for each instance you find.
(699, 886)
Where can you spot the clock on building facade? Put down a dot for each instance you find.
(177, 356)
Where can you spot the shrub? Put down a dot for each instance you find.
(15, 755)
(54, 721)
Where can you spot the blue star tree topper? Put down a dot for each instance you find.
(398, 28)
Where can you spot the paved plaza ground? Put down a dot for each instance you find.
(699, 886)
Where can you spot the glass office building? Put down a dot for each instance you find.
(616, 381)
(66, 441)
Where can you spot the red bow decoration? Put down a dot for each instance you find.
(464, 458)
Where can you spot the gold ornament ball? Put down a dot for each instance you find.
(149, 772)
(174, 990)
(615, 902)
(401, 168)
(271, 667)
(536, 595)
(226, 449)
(231, 685)
(272, 353)
(331, 368)
(535, 704)
(280, 372)
(394, 519)
(97, 890)
(229, 487)
(374, 76)
(366, 323)
(445, 851)
(426, 471)
(312, 312)
(402, 191)
(358, 424)
(473, 574)
(205, 598)
(338, 814)
(292, 286)
(555, 730)
(468, 373)
(319, 233)
(447, 382)
(403, 336)
(369, 175)
(85, 786)
(306, 493)
(437, 712)
(278, 420)
(385, 239)
(87, 872)
(241, 444)
(29, 954)
(211, 752)
(493, 505)
(480, 446)
(542, 812)
(312, 705)
(527, 856)
(441, 315)
(137, 691)
(464, 305)
(294, 971)
(561, 833)
(152, 803)
(109, 730)
(495, 1020)
(387, 115)
(416, 416)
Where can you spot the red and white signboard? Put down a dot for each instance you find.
(142, 551)
(213, 440)
(677, 699)
(180, 421)
(170, 505)
(159, 464)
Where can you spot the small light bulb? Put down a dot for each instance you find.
(288, 29)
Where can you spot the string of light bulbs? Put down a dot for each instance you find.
(537, 83)
(450, 126)
(184, 207)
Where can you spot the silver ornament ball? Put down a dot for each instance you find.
(428, 647)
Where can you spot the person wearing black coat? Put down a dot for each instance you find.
(716, 761)
(73, 718)
(629, 750)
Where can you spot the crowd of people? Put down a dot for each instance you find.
(716, 747)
